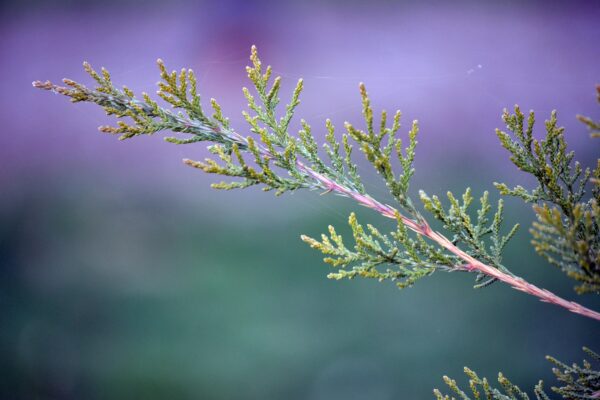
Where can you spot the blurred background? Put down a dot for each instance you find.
(123, 275)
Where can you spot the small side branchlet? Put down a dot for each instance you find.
(411, 256)
(482, 237)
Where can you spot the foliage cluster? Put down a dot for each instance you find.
(567, 230)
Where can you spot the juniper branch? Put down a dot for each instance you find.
(282, 162)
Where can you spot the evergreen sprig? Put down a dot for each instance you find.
(410, 255)
(579, 382)
(567, 230)
(482, 237)
(380, 155)
(277, 160)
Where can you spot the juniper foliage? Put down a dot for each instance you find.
(277, 160)
(567, 230)
(579, 382)
(482, 238)
(411, 256)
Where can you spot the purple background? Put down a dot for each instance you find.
(107, 246)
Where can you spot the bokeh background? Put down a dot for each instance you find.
(123, 275)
